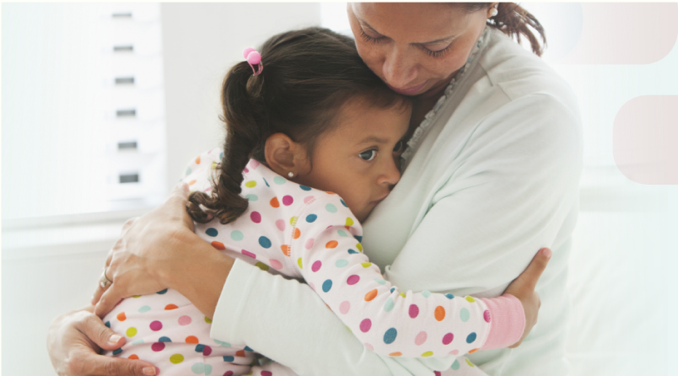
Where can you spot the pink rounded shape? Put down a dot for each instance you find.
(254, 57)
(365, 325)
(248, 253)
(316, 266)
(266, 373)
(276, 264)
(228, 373)
(486, 316)
(369, 347)
(309, 244)
(414, 310)
(156, 325)
(287, 200)
(312, 286)
(253, 164)
(185, 320)
(158, 346)
(208, 189)
(246, 170)
(352, 280)
(344, 307)
(454, 352)
(437, 373)
(256, 217)
(420, 338)
(280, 224)
(247, 51)
(206, 351)
(447, 338)
(308, 199)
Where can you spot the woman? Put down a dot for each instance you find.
(491, 176)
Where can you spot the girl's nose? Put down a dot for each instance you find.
(390, 175)
(399, 70)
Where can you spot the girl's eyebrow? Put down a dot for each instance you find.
(363, 23)
(372, 138)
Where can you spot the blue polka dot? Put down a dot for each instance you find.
(341, 263)
(331, 208)
(247, 349)
(229, 358)
(144, 309)
(266, 182)
(164, 339)
(305, 187)
(471, 337)
(392, 289)
(455, 365)
(351, 251)
(311, 218)
(279, 180)
(358, 238)
(108, 324)
(327, 285)
(138, 342)
(449, 296)
(252, 197)
(464, 314)
(212, 232)
(426, 293)
(343, 203)
(380, 281)
(388, 306)
(162, 292)
(117, 351)
(237, 235)
(199, 348)
(264, 242)
(342, 233)
(390, 336)
(221, 155)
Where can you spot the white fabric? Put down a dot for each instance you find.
(494, 179)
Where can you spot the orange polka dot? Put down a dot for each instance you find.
(370, 295)
(170, 307)
(218, 245)
(121, 316)
(439, 313)
(332, 244)
(472, 351)
(192, 182)
(285, 249)
(396, 354)
(133, 356)
(275, 203)
(192, 339)
(197, 160)
(240, 353)
(330, 193)
(297, 233)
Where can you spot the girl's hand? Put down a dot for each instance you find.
(150, 248)
(523, 289)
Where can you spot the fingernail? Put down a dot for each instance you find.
(546, 252)
(149, 371)
(114, 338)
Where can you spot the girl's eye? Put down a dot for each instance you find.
(399, 146)
(368, 155)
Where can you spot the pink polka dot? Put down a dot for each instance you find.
(246, 169)
(420, 338)
(276, 264)
(369, 347)
(309, 244)
(280, 224)
(184, 320)
(256, 217)
(447, 338)
(312, 286)
(253, 164)
(206, 351)
(287, 200)
(228, 373)
(414, 310)
(308, 199)
(316, 266)
(248, 253)
(352, 280)
(437, 373)
(158, 346)
(486, 316)
(156, 325)
(266, 373)
(365, 325)
(454, 352)
(208, 189)
(344, 307)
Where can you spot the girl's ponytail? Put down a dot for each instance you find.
(243, 138)
(515, 21)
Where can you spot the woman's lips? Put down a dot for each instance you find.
(409, 91)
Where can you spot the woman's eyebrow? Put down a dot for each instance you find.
(363, 23)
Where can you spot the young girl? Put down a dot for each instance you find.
(318, 137)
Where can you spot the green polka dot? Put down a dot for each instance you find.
(380, 281)
(469, 363)
(293, 221)
(455, 365)
(144, 309)
(208, 320)
(359, 246)
(464, 314)
(427, 354)
(279, 180)
(341, 263)
(131, 332)
(299, 262)
(237, 235)
(138, 342)
(388, 306)
(252, 197)
(198, 368)
(470, 299)
(176, 358)
(426, 293)
(261, 266)
(221, 343)
(251, 184)
(331, 208)
(188, 171)
(342, 233)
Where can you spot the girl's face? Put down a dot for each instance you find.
(415, 48)
(359, 158)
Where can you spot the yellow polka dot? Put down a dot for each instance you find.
(470, 299)
(366, 264)
(131, 332)
(299, 262)
(293, 221)
(402, 294)
(136, 296)
(469, 363)
(176, 358)
(208, 320)
(251, 184)
(349, 221)
(427, 354)
(359, 246)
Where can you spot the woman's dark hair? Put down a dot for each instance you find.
(308, 75)
(514, 21)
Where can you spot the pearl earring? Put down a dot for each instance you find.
(493, 11)
(290, 174)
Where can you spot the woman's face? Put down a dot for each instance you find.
(415, 48)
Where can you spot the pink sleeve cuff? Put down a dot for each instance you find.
(507, 321)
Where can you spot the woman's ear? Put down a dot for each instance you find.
(284, 156)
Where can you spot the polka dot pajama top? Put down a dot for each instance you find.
(309, 234)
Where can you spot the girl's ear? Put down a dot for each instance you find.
(283, 156)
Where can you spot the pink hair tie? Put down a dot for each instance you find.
(253, 58)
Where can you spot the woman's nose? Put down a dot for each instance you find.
(399, 70)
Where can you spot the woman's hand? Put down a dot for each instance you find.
(523, 289)
(150, 248)
(74, 341)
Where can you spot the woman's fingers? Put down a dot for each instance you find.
(529, 278)
(109, 299)
(97, 365)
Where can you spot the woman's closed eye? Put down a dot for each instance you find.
(368, 155)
